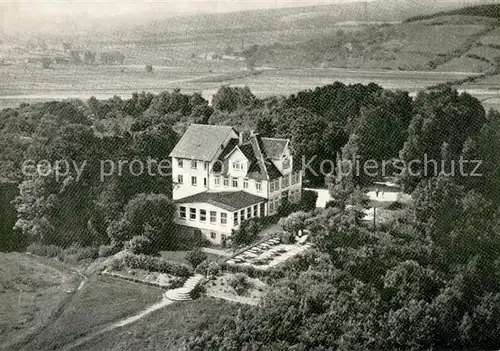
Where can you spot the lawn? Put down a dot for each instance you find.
(165, 329)
(102, 300)
(30, 293)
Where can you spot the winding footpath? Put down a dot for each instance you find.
(170, 296)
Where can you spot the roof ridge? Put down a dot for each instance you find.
(210, 125)
(259, 154)
(287, 139)
(199, 141)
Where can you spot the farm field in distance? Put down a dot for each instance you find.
(30, 83)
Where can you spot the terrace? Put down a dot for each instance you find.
(269, 253)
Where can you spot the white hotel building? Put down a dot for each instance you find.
(221, 180)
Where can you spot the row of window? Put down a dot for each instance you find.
(285, 182)
(235, 183)
(274, 204)
(292, 196)
(194, 180)
(274, 184)
(213, 235)
(202, 215)
(194, 164)
(249, 212)
(238, 165)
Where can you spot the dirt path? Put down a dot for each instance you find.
(54, 316)
(129, 320)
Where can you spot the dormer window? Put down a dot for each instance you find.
(238, 165)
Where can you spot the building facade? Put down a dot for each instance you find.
(220, 179)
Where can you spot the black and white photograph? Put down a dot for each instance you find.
(191, 175)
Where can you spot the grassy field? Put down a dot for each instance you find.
(465, 64)
(31, 291)
(43, 306)
(30, 84)
(164, 329)
(101, 300)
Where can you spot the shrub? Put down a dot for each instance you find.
(247, 233)
(196, 257)
(109, 250)
(44, 250)
(250, 271)
(286, 208)
(116, 265)
(138, 245)
(294, 222)
(240, 283)
(73, 253)
(189, 238)
(287, 238)
(198, 290)
(261, 261)
(209, 268)
(308, 200)
(77, 253)
(155, 264)
(46, 62)
(177, 283)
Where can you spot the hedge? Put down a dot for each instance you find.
(73, 253)
(252, 272)
(156, 264)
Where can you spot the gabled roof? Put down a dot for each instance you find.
(247, 150)
(274, 147)
(272, 171)
(261, 166)
(229, 200)
(231, 145)
(201, 142)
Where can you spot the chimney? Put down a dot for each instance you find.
(241, 138)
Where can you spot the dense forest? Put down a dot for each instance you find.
(429, 278)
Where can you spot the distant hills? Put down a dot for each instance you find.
(463, 40)
(160, 20)
(395, 34)
(491, 11)
(312, 17)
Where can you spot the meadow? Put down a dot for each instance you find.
(45, 305)
(31, 291)
(165, 329)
